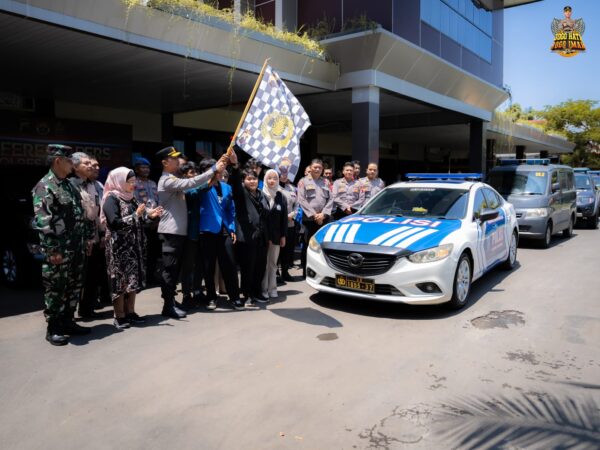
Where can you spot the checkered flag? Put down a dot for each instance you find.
(274, 124)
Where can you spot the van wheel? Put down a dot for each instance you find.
(511, 259)
(462, 283)
(568, 232)
(547, 236)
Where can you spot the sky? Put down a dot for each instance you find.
(538, 77)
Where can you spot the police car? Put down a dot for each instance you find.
(423, 241)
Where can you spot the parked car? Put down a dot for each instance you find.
(588, 200)
(543, 195)
(419, 242)
(20, 254)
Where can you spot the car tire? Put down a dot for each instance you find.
(593, 222)
(12, 267)
(462, 283)
(568, 232)
(547, 239)
(511, 259)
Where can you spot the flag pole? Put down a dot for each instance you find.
(250, 100)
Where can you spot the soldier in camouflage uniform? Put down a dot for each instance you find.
(64, 232)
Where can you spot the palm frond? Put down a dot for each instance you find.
(525, 421)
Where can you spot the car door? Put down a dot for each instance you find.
(479, 205)
(497, 242)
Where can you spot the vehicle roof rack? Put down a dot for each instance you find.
(445, 176)
(529, 161)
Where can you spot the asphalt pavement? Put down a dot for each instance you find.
(519, 367)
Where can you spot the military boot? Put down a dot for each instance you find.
(54, 334)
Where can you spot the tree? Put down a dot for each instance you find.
(516, 113)
(579, 120)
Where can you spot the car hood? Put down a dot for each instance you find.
(410, 233)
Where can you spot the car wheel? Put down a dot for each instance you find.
(547, 236)
(568, 232)
(462, 283)
(511, 259)
(593, 222)
(11, 272)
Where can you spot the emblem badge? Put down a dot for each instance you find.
(355, 260)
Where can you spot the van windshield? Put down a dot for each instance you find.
(583, 181)
(528, 182)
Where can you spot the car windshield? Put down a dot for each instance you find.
(583, 182)
(518, 182)
(420, 201)
(596, 179)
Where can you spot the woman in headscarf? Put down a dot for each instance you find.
(277, 222)
(125, 243)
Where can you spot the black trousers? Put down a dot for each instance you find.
(95, 281)
(311, 228)
(154, 250)
(286, 255)
(252, 258)
(192, 268)
(172, 256)
(219, 247)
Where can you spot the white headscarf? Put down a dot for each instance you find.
(268, 192)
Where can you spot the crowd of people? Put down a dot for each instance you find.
(204, 222)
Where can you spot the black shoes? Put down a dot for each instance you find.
(172, 311)
(121, 323)
(135, 319)
(260, 298)
(238, 305)
(55, 333)
(189, 303)
(211, 305)
(74, 329)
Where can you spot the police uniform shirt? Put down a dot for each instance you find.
(346, 194)
(369, 188)
(314, 196)
(291, 196)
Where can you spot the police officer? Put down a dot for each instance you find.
(172, 228)
(371, 184)
(64, 232)
(314, 197)
(346, 193)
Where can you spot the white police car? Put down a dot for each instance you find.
(421, 242)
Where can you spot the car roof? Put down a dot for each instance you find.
(529, 167)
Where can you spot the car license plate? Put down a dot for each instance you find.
(355, 284)
(579, 214)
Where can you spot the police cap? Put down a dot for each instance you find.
(59, 150)
(167, 152)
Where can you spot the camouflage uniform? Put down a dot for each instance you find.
(59, 218)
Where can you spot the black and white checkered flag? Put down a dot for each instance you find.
(274, 124)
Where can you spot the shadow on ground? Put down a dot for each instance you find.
(488, 283)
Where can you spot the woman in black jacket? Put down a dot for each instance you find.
(276, 229)
(250, 219)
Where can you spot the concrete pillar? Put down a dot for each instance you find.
(490, 152)
(520, 152)
(365, 125)
(286, 14)
(476, 147)
(166, 132)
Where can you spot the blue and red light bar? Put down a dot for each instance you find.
(445, 176)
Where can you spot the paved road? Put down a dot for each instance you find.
(318, 372)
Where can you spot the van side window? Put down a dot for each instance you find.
(563, 180)
(570, 180)
(554, 177)
(491, 198)
(479, 204)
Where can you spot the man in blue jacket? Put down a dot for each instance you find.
(217, 236)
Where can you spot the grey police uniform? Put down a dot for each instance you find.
(346, 195)
(369, 189)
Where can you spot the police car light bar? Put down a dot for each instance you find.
(531, 162)
(445, 176)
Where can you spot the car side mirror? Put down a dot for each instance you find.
(555, 187)
(488, 214)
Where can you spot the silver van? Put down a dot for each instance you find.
(543, 194)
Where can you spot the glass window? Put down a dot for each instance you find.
(562, 179)
(491, 198)
(469, 10)
(435, 14)
(479, 204)
(426, 10)
(454, 21)
(445, 19)
(462, 6)
(509, 182)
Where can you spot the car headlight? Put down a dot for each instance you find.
(585, 200)
(536, 212)
(431, 254)
(314, 245)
